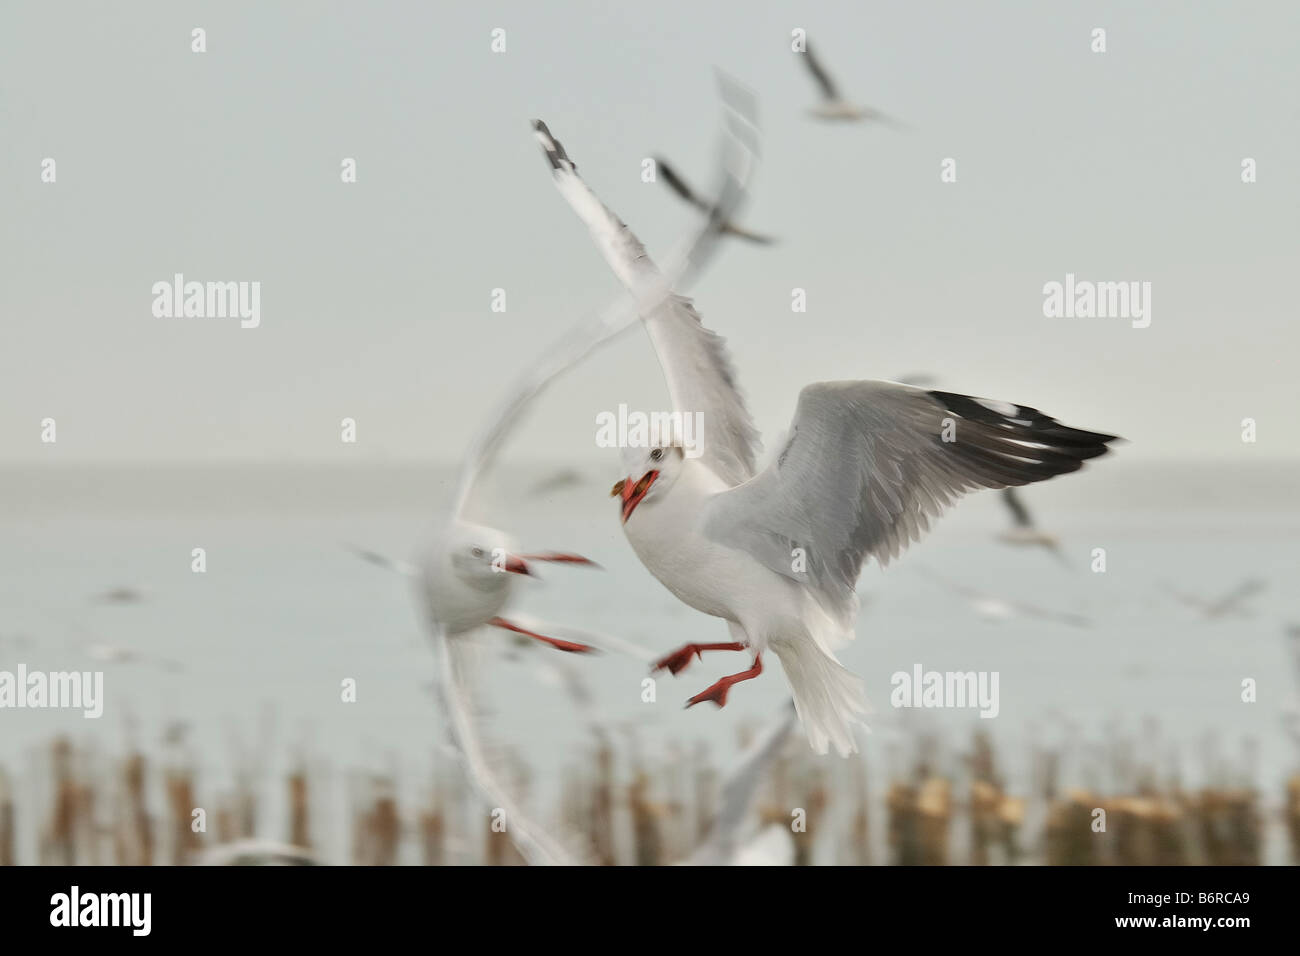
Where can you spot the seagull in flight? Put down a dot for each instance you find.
(777, 554)
(833, 106)
(1000, 609)
(1232, 604)
(725, 226)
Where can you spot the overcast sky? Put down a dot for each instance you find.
(375, 296)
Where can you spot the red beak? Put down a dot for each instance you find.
(559, 557)
(516, 565)
(632, 494)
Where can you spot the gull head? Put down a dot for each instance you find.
(651, 472)
(466, 575)
(483, 557)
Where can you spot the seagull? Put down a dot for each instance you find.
(777, 554)
(997, 608)
(833, 106)
(119, 595)
(726, 226)
(1023, 530)
(1230, 604)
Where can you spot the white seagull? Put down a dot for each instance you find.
(833, 106)
(777, 554)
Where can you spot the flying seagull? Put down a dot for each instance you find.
(725, 226)
(997, 608)
(833, 106)
(777, 554)
(1231, 604)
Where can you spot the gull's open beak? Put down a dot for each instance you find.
(516, 565)
(633, 494)
(559, 557)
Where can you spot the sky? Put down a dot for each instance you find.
(376, 296)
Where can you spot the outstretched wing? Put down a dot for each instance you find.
(736, 168)
(869, 464)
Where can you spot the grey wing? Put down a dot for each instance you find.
(866, 468)
(1019, 513)
(820, 75)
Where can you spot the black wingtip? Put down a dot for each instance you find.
(554, 150)
(1018, 445)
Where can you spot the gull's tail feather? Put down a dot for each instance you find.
(828, 697)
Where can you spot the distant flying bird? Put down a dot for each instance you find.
(725, 226)
(1000, 609)
(833, 106)
(777, 555)
(1231, 604)
(120, 595)
(1023, 530)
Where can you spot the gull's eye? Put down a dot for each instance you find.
(656, 454)
(477, 552)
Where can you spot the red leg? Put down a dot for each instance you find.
(718, 692)
(569, 646)
(677, 660)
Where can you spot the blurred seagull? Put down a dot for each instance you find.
(1001, 609)
(464, 577)
(725, 226)
(1231, 604)
(120, 595)
(777, 554)
(833, 106)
